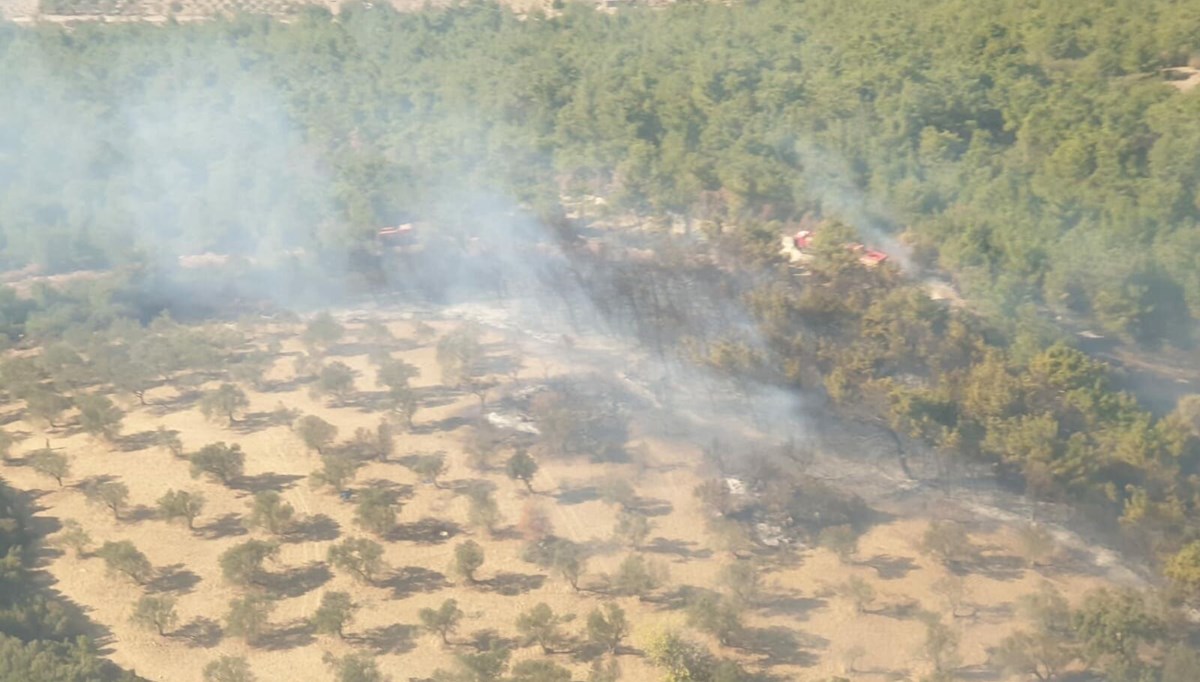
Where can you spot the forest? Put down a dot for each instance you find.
(1032, 152)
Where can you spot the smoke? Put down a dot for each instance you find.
(170, 153)
(189, 148)
(829, 181)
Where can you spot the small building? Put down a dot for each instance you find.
(872, 258)
(796, 249)
(398, 232)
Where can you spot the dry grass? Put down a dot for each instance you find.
(804, 628)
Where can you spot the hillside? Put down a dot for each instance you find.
(457, 343)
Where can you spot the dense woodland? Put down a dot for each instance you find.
(1032, 150)
(41, 638)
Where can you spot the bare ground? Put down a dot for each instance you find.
(803, 629)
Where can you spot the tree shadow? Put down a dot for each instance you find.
(182, 400)
(977, 672)
(371, 401)
(781, 646)
(999, 567)
(506, 533)
(224, 526)
(295, 634)
(587, 493)
(679, 548)
(513, 584)
(488, 639)
(173, 578)
(794, 606)
(672, 600)
(90, 481)
(888, 674)
(447, 424)
(399, 491)
(138, 514)
(889, 567)
(316, 528)
(396, 638)
(349, 349)
(901, 610)
(413, 579)
(200, 633)
(466, 485)
(137, 441)
(993, 613)
(501, 365)
(427, 531)
(253, 422)
(439, 396)
(651, 506)
(297, 581)
(268, 481)
(285, 386)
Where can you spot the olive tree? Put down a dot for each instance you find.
(242, 564)
(715, 615)
(541, 626)
(396, 374)
(316, 433)
(224, 463)
(99, 417)
(168, 441)
(948, 542)
(569, 561)
(228, 669)
(858, 592)
(125, 558)
(637, 576)
(376, 511)
(335, 472)
(46, 405)
(482, 510)
(459, 355)
(360, 557)
(224, 402)
(181, 505)
(940, 646)
(539, 671)
(632, 528)
(429, 467)
(468, 557)
(842, 540)
(354, 668)
(335, 611)
(607, 626)
(269, 512)
(442, 621)
(113, 495)
(74, 536)
(322, 331)
(154, 612)
(50, 463)
(403, 401)
(522, 467)
(335, 379)
(248, 617)
(743, 580)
